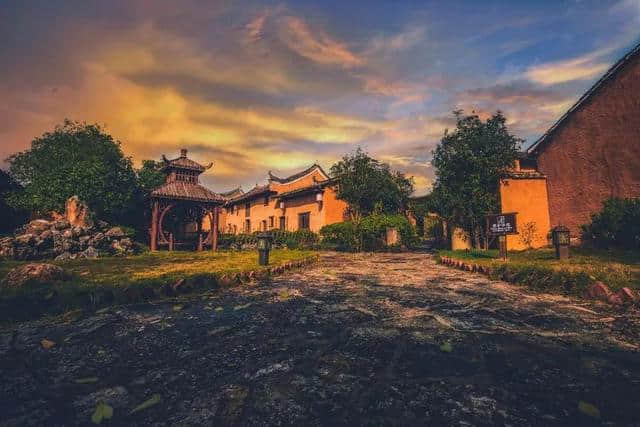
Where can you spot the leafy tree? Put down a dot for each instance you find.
(9, 217)
(617, 225)
(75, 159)
(469, 163)
(369, 185)
(150, 176)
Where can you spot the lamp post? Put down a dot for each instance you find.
(264, 246)
(561, 240)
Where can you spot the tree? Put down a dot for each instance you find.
(469, 163)
(150, 176)
(9, 217)
(369, 185)
(75, 159)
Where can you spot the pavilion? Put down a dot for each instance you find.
(179, 206)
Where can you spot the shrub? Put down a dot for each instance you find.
(305, 239)
(368, 234)
(617, 225)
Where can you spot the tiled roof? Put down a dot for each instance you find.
(610, 74)
(295, 176)
(183, 162)
(186, 191)
(315, 188)
(256, 191)
(232, 193)
(525, 175)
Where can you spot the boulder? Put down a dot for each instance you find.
(90, 252)
(68, 233)
(627, 296)
(37, 226)
(126, 243)
(63, 256)
(98, 240)
(38, 272)
(25, 239)
(62, 224)
(599, 291)
(115, 232)
(78, 213)
(78, 231)
(102, 225)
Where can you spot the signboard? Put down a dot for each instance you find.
(502, 224)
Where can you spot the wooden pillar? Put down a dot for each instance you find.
(199, 231)
(214, 227)
(171, 241)
(153, 243)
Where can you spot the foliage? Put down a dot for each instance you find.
(75, 159)
(10, 218)
(303, 239)
(528, 233)
(102, 282)
(540, 269)
(150, 176)
(469, 163)
(367, 234)
(367, 185)
(617, 225)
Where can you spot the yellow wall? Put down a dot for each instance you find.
(527, 197)
(460, 239)
(328, 211)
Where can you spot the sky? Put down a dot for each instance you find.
(258, 86)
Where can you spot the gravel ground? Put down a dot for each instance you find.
(366, 339)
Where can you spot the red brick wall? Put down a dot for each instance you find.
(595, 154)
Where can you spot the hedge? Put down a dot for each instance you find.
(367, 234)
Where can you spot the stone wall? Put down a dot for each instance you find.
(595, 154)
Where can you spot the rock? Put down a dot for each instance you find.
(47, 234)
(25, 239)
(78, 213)
(37, 226)
(98, 240)
(116, 247)
(90, 252)
(181, 286)
(115, 232)
(627, 296)
(126, 243)
(63, 256)
(83, 240)
(599, 291)
(38, 272)
(68, 233)
(62, 224)
(615, 299)
(78, 231)
(102, 225)
(25, 253)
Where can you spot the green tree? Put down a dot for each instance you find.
(469, 163)
(10, 218)
(75, 159)
(369, 185)
(150, 176)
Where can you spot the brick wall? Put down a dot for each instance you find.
(595, 154)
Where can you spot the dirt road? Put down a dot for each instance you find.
(384, 339)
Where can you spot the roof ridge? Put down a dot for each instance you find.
(611, 72)
(297, 175)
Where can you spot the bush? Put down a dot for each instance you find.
(304, 239)
(368, 234)
(617, 225)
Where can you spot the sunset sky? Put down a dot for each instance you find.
(258, 86)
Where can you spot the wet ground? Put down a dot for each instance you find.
(385, 339)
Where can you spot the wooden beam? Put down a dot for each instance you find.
(154, 227)
(214, 227)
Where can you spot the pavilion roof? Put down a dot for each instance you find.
(183, 162)
(184, 190)
(258, 190)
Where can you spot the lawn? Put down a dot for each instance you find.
(615, 268)
(100, 282)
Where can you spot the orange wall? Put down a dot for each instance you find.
(527, 197)
(334, 209)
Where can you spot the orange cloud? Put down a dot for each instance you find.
(581, 68)
(317, 46)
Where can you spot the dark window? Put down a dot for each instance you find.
(247, 209)
(247, 226)
(283, 223)
(271, 222)
(303, 221)
(266, 200)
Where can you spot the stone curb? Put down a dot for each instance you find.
(596, 291)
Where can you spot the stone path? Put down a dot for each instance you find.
(385, 339)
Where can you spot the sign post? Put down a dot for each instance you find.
(500, 225)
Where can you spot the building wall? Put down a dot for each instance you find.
(527, 197)
(595, 154)
(334, 210)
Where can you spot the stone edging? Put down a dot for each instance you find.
(596, 291)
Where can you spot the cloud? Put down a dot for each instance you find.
(580, 68)
(317, 45)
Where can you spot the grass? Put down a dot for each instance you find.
(539, 268)
(100, 282)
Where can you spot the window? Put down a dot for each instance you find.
(303, 221)
(283, 223)
(247, 226)
(271, 222)
(264, 225)
(266, 200)
(247, 209)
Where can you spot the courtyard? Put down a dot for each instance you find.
(355, 339)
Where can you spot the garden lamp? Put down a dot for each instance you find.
(264, 246)
(561, 240)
